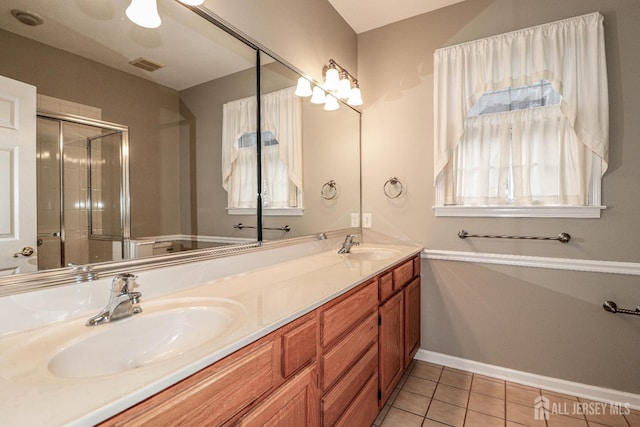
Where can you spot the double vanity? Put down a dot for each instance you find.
(322, 339)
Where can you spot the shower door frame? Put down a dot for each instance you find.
(125, 196)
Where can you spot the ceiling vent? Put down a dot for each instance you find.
(146, 64)
(27, 18)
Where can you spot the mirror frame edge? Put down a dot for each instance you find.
(40, 280)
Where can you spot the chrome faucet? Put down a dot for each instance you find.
(122, 301)
(347, 244)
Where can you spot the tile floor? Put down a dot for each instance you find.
(435, 396)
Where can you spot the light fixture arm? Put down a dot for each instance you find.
(340, 69)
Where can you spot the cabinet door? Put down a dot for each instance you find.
(295, 404)
(411, 320)
(211, 396)
(391, 345)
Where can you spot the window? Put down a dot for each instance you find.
(281, 154)
(521, 122)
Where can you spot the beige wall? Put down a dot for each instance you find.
(541, 321)
(305, 33)
(150, 110)
(204, 201)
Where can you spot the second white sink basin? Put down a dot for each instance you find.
(159, 333)
(371, 254)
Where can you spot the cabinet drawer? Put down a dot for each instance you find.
(293, 404)
(298, 346)
(402, 274)
(416, 266)
(386, 285)
(209, 397)
(348, 350)
(342, 316)
(336, 401)
(363, 410)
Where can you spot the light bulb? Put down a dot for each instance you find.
(344, 87)
(355, 96)
(318, 96)
(331, 103)
(144, 13)
(332, 78)
(192, 2)
(304, 87)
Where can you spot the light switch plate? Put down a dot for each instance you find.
(366, 220)
(355, 220)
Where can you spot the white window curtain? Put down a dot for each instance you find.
(570, 55)
(522, 158)
(282, 116)
(239, 164)
(281, 113)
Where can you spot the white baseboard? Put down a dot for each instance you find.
(600, 394)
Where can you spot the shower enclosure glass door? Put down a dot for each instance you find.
(82, 191)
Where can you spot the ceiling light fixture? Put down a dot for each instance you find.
(338, 84)
(145, 12)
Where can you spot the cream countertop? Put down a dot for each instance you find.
(272, 296)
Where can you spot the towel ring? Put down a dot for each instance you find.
(329, 190)
(392, 182)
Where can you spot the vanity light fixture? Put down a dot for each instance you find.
(344, 86)
(318, 96)
(331, 103)
(355, 96)
(331, 76)
(304, 88)
(338, 84)
(145, 12)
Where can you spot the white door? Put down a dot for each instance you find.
(17, 176)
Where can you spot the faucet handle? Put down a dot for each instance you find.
(120, 283)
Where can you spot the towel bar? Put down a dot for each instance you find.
(612, 307)
(284, 228)
(562, 237)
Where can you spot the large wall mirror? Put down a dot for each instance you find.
(315, 184)
(100, 103)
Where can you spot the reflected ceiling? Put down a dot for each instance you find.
(87, 30)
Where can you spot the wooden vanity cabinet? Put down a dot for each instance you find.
(399, 323)
(349, 358)
(335, 366)
(223, 392)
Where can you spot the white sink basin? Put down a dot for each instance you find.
(160, 332)
(371, 254)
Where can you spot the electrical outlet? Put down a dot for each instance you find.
(366, 220)
(355, 220)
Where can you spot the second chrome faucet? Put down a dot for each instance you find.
(123, 302)
(347, 244)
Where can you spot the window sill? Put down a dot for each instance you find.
(520, 211)
(267, 211)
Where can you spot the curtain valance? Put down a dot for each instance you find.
(569, 54)
(281, 113)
